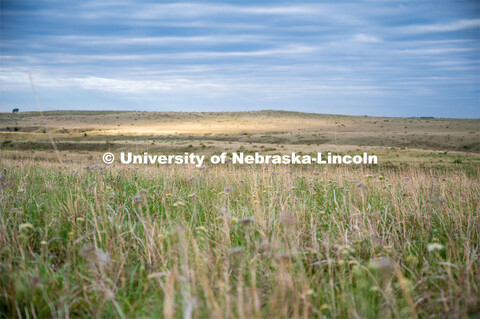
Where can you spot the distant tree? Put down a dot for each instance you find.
(15, 110)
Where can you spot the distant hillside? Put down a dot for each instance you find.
(264, 127)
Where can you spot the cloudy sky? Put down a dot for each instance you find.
(391, 58)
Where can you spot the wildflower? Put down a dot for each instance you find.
(43, 243)
(25, 227)
(435, 246)
(233, 220)
(80, 220)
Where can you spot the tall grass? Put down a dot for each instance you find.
(233, 241)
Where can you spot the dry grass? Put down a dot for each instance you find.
(233, 241)
(266, 127)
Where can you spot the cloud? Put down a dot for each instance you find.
(111, 84)
(155, 40)
(61, 58)
(445, 27)
(366, 38)
(206, 86)
(300, 53)
(435, 51)
(150, 11)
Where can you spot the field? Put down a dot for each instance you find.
(81, 239)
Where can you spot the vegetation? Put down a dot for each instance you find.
(80, 239)
(300, 131)
(232, 241)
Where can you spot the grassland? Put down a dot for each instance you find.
(396, 240)
(263, 127)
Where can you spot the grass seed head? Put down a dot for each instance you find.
(25, 227)
(179, 204)
(139, 200)
(384, 268)
(286, 219)
(235, 251)
(435, 247)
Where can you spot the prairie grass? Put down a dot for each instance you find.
(78, 130)
(238, 241)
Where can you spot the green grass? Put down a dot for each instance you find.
(238, 241)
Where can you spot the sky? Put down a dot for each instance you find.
(378, 58)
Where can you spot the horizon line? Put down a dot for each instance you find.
(246, 111)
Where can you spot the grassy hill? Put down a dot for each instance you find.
(400, 140)
(395, 240)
